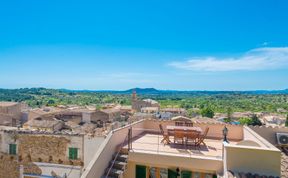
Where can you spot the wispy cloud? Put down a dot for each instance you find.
(256, 59)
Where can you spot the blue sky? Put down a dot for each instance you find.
(186, 45)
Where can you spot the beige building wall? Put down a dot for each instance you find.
(10, 108)
(10, 113)
(203, 165)
(253, 160)
(86, 117)
(100, 116)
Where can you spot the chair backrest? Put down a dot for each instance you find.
(203, 137)
(192, 134)
(178, 123)
(179, 133)
(206, 132)
(188, 124)
(161, 129)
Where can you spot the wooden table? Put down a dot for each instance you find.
(172, 128)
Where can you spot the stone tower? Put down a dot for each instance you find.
(134, 95)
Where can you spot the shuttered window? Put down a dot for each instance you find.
(12, 149)
(73, 153)
(172, 174)
(140, 171)
(186, 174)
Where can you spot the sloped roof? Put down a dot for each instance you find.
(150, 108)
(181, 118)
(46, 123)
(111, 110)
(7, 104)
(173, 109)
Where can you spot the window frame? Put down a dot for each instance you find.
(73, 153)
(12, 149)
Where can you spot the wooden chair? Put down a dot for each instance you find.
(189, 124)
(165, 139)
(193, 136)
(178, 123)
(202, 137)
(179, 135)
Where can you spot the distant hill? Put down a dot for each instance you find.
(143, 90)
(154, 91)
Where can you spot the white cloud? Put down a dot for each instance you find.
(254, 60)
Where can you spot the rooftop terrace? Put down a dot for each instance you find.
(151, 143)
(242, 153)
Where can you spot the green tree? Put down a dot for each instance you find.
(227, 120)
(286, 123)
(192, 112)
(229, 113)
(50, 102)
(207, 112)
(245, 121)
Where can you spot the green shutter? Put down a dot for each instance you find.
(12, 149)
(140, 171)
(186, 174)
(172, 174)
(73, 153)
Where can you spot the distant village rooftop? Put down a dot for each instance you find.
(7, 104)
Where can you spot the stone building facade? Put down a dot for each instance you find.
(106, 115)
(137, 104)
(10, 113)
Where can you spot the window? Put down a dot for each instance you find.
(163, 173)
(73, 153)
(172, 173)
(152, 172)
(208, 176)
(196, 175)
(12, 149)
(140, 171)
(186, 174)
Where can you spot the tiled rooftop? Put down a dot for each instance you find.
(151, 143)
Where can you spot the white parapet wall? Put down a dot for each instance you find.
(261, 157)
(107, 149)
(254, 160)
(50, 170)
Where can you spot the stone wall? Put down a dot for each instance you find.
(100, 116)
(42, 148)
(9, 167)
(50, 149)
